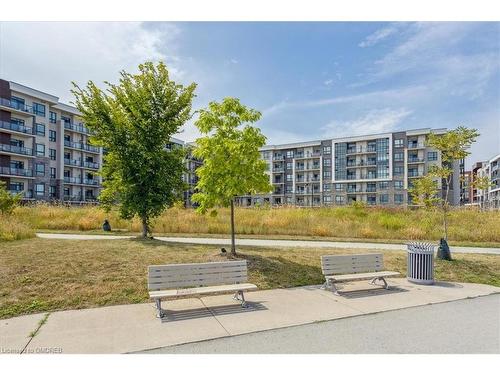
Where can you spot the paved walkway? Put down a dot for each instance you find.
(450, 327)
(131, 328)
(271, 243)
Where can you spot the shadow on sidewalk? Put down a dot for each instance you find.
(205, 312)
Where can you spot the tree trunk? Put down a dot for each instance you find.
(445, 209)
(233, 242)
(145, 228)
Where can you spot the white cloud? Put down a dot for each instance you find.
(328, 82)
(49, 55)
(373, 122)
(378, 36)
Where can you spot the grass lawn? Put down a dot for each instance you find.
(44, 275)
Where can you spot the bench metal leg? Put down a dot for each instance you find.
(159, 311)
(242, 299)
(329, 284)
(386, 286)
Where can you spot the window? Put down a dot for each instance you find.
(289, 154)
(327, 162)
(66, 120)
(339, 187)
(432, 156)
(398, 143)
(327, 150)
(339, 199)
(16, 186)
(40, 169)
(398, 185)
(384, 198)
(17, 103)
(398, 198)
(52, 191)
(398, 156)
(52, 173)
(398, 170)
(40, 149)
(52, 154)
(52, 135)
(40, 189)
(52, 117)
(289, 165)
(40, 129)
(327, 175)
(289, 177)
(327, 199)
(39, 109)
(383, 185)
(327, 187)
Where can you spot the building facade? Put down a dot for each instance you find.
(374, 169)
(490, 199)
(45, 152)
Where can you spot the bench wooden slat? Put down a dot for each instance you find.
(203, 290)
(362, 276)
(196, 275)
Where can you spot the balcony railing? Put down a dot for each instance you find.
(16, 172)
(415, 174)
(415, 160)
(363, 164)
(15, 105)
(307, 155)
(361, 150)
(77, 128)
(416, 145)
(278, 170)
(15, 127)
(24, 194)
(278, 157)
(16, 149)
(81, 146)
(79, 163)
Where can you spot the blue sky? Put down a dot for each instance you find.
(310, 80)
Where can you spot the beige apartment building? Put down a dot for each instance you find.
(45, 152)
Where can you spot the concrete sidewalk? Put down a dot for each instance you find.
(270, 243)
(130, 328)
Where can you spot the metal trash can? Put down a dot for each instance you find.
(420, 263)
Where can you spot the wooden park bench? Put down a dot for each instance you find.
(171, 281)
(341, 268)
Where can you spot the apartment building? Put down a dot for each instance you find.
(45, 152)
(375, 169)
(490, 199)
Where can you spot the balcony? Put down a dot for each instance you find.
(308, 155)
(24, 194)
(77, 128)
(16, 150)
(72, 180)
(414, 145)
(17, 107)
(415, 174)
(278, 157)
(415, 160)
(90, 165)
(16, 172)
(81, 146)
(362, 150)
(362, 164)
(278, 170)
(16, 128)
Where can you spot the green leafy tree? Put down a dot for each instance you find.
(424, 191)
(8, 201)
(232, 165)
(454, 145)
(134, 121)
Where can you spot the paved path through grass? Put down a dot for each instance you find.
(271, 243)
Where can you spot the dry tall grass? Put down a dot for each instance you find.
(465, 225)
(14, 228)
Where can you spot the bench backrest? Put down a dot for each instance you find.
(347, 264)
(172, 276)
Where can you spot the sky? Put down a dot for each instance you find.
(310, 80)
